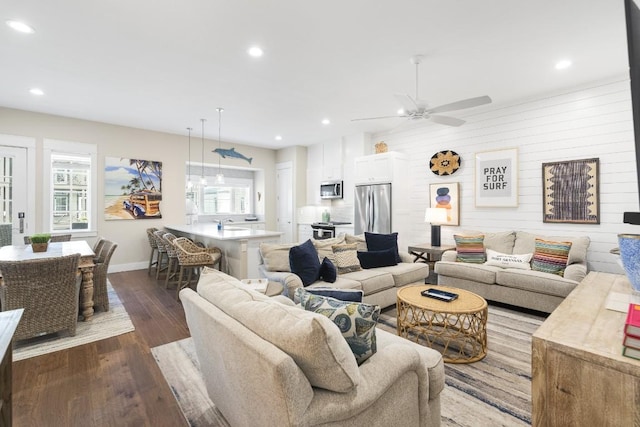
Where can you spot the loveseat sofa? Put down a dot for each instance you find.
(516, 283)
(379, 284)
(268, 362)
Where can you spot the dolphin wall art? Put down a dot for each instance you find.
(224, 152)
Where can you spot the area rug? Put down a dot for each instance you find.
(108, 324)
(495, 391)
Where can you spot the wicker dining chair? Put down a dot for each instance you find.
(48, 289)
(5, 234)
(192, 258)
(97, 247)
(154, 248)
(100, 294)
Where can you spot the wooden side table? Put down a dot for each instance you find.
(429, 254)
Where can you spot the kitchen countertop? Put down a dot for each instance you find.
(230, 231)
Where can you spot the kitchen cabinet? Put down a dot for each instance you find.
(305, 232)
(332, 160)
(380, 168)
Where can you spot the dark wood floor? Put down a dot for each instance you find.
(113, 382)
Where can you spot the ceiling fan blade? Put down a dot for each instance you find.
(382, 117)
(460, 105)
(407, 102)
(446, 120)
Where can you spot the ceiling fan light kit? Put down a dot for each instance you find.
(417, 109)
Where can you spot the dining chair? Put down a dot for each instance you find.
(100, 269)
(191, 258)
(5, 234)
(97, 247)
(48, 289)
(154, 248)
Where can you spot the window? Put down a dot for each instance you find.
(233, 197)
(70, 174)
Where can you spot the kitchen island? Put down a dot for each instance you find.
(240, 246)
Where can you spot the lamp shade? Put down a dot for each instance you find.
(435, 215)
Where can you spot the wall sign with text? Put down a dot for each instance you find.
(496, 178)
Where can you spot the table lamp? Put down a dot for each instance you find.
(435, 216)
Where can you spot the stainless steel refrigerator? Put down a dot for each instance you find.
(372, 208)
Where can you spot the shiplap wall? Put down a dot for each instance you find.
(586, 122)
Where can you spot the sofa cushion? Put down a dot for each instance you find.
(346, 257)
(275, 256)
(519, 261)
(526, 243)
(356, 321)
(359, 240)
(380, 242)
(303, 261)
(328, 271)
(551, 257)
(405, 273)
(501, 241)
(353, 295)
(470, 248)
(311, 340)
(535, 281)
(462, 270)
(374, 259)
(372, 280)
(324, 247)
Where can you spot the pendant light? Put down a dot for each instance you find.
(219, 176)
(203, 180)
(189, 183)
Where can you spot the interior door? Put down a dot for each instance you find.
(13, 195)
(285, 200)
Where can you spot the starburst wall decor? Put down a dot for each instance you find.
(445, 162)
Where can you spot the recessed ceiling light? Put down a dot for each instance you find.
(36, 91)
(256, 52)
(563, 65)
(278, 138)
(326, 121)
(20, 26)
(401, 111)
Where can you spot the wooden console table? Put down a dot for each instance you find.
(8, 323)
(433, 254)
(579, 375)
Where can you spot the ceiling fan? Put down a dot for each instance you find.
(417, 109)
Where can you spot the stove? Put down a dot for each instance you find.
(326, 230)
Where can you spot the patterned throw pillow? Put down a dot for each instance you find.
(346, 258)
(356, 321)
(470, 249)
(551, 257)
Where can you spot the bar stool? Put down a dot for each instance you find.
(192, 257)
(154, 248)
(162, 252)
(172, 254)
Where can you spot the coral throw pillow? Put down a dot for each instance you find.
(551, 257)
(470, 249)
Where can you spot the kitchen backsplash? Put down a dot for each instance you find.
(310, 214)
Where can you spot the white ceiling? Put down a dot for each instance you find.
(163, 65)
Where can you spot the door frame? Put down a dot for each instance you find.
(280, 166)
(29, 144)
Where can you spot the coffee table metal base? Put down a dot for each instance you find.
(460, 334)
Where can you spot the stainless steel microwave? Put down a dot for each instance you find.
(331, 190)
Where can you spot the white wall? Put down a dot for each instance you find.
(593, 121)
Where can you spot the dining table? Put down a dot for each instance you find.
(60, 249)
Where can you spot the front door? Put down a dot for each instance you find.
(14, 218)
(285, 200)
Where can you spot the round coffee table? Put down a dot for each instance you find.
(458, 329)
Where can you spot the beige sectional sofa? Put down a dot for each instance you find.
(378, 284)
(268, 362)
(530, 289)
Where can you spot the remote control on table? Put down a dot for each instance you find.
(439, 294)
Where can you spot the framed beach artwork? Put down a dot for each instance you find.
(446, 196)
(132, 188)
(570, 191)
(496, 178)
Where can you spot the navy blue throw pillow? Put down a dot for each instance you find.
(328, 271)
(351, 295)
(303, 261)
(373, 259)
(380, 242)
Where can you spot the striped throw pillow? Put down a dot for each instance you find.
(346, 258)
(551, 257)
(470, 249)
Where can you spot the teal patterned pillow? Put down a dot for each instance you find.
(470, 249)
(356, 321)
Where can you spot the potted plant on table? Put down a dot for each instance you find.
(40, 242)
